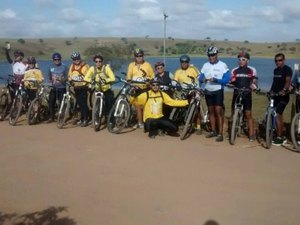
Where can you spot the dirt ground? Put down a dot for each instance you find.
(76, 176)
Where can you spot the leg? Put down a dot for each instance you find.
(152, 127)
(167, 125)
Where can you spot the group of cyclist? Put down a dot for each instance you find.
(153, 104)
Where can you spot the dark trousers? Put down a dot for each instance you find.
(153, 125)
(55, 94)
(81, 95)
(109, 101)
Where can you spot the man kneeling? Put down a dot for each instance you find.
(153, 117)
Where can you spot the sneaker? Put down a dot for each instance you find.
(252, 138)
(211, 134)
(161, 132)
(141, 126)
(219, 138)
(279, 141)
(84, 123)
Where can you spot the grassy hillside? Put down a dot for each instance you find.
(43, 48)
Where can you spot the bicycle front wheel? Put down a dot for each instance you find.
(187, 128)
(33, 111)
(235, 127)
(295, 131)
(97, 113)
(16, 109)
(3, 106)
(118, 116)
(63, 114)
(269, 129)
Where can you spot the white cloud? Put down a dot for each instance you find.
(7, 14)
(72, 15)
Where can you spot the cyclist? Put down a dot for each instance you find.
(282, 75)
(154, 118)
(58, 76)
(32, 78)
(77, 72)
(182, 76)
(215, 74)
(139, 70)
(102, 73)
(245, 76)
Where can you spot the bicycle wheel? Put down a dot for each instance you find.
(33, 111)
(3, 106)
(204, 116)
(295, 131)
(269, 129)
(97, 113)
(118, 116)
(16, 109)
(235, 127)
(187, 128)
(63, 114)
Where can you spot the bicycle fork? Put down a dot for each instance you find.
(118, 112)
(99, 95)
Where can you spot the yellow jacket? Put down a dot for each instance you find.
(153, 103)
(138, 71)
(77, 73)
(33, 75)
(182, 75)
(105, 73)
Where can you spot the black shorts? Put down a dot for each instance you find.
(280, 102)
(214, 98)
(246, 101)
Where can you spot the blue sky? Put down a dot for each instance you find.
(255, 21)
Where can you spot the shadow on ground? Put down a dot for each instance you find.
(49, 216)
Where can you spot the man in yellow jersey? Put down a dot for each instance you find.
(153, 101)
(77, 72)
(32, 78)
(103, 76)
(139, 70)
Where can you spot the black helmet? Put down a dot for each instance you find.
(56, 55)
(244, 54)
(138, 51)
(184, 58)
(212, 50)
(155, 80)
(18, 53)
(31, 60)
(75, 55)
(160, 63)
(98, 56)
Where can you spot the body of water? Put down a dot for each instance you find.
(263, 66)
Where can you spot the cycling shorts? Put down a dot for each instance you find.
(280, 102)
(215, 98)
(246, 101)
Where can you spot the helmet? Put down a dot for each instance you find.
(212, 50)
(138, 51)
(18, 53)
(56, 55)
(155, 80)
(98, 56)
(184, 58)
(159, 64)
(31, 60)
(243, 54)
(75, 55)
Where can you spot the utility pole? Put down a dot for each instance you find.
(165, 28)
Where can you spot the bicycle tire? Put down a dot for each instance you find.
(3, 106)
(295, 131)
(188, 122)
(16, 109)
(33, 111)
(204, 117)
(269, 129)
(97, 114)
(117, 124)
(235, 127)
(63, 114)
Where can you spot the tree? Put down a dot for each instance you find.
(21, 41)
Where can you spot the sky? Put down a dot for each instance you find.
(254, 20)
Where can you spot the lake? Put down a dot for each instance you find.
(263, 66)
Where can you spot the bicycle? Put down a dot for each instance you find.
(295, 126)
(39, 107)
(122, 113)
(5, 97)
(238, 122)
(67, 107)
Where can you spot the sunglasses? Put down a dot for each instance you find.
(155, 85)
(278, 60)
(138, 56)
(56, 59)
(184, 62)
(98, 61)
(242, 59)
(211, 55)
(159, 67)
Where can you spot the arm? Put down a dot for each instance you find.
(172, 102)
(224, 80)
(10, 61)
(110, 74)
(201, 78)
(129, 72)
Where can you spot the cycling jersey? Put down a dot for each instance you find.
(182, 76)
(58, 75)
(33, 75)
(165, 78)
(218, 71)
(77, 73)
(279, 77)
(153, 103)
(139, 72)
(96, 74)
(242, 77)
